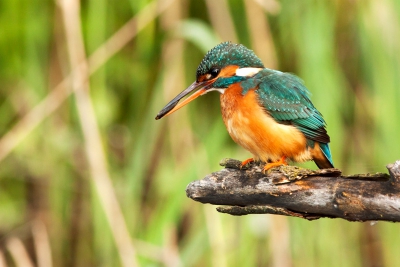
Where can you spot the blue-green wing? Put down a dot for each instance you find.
(286, 99)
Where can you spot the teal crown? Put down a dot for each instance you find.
(226, 54)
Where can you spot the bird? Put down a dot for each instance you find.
(267, 112)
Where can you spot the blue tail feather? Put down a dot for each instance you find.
(327, 152)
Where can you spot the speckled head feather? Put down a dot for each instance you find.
(226, 54)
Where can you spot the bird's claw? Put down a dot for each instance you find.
(272, 165)
(245, 163)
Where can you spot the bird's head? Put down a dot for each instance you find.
(225, 64)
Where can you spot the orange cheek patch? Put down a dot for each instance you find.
(228, 71)
(202, 78)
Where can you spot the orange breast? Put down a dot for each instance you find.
(253, 128)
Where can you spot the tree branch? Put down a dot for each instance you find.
(303, 193)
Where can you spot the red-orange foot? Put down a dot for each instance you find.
(245, 162)
(271, 165)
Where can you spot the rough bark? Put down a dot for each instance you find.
(303, 193)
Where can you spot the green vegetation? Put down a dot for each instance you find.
(63, 204)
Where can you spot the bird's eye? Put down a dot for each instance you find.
(214, 73)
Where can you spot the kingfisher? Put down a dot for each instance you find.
(267, 112)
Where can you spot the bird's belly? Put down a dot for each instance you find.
(253, 128)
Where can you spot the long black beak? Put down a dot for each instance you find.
(174, 105)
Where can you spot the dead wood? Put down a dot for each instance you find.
(303, 193)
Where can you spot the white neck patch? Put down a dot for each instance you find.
(247, 72)
(220, 90)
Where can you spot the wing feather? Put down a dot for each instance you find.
(286, 99)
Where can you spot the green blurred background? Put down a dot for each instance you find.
(89, 178)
